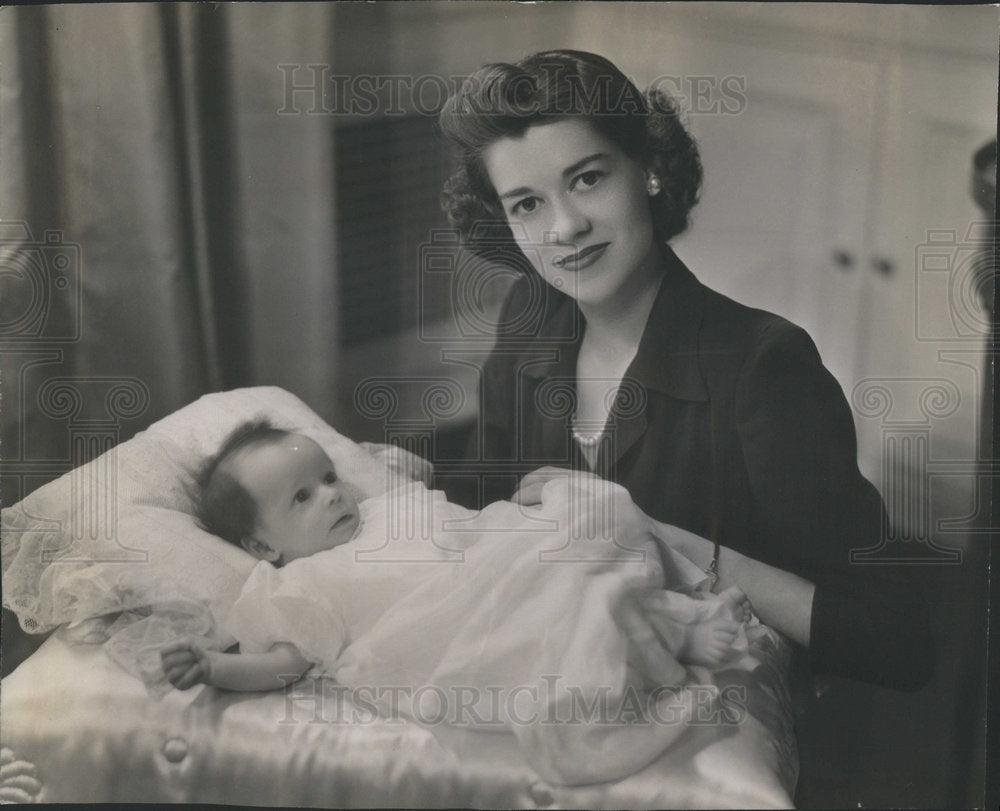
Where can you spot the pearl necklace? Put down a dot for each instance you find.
(587, 440)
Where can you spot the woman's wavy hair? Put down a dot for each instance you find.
(501, 100)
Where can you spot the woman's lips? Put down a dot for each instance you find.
(580, 259)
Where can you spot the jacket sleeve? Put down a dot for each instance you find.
(813, 507)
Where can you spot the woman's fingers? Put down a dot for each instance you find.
(735, 598)
(528, 496)
(737, 602)
(529, 490)
(548, 473)
(544, 474)
(726, 632)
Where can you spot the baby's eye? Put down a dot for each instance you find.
(525, 206)
(330, 477)
(302, 495)
(588, 179)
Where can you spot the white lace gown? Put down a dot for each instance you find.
(498, 620)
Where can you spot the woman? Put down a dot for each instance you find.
(716, 417)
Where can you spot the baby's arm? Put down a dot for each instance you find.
(186, 664)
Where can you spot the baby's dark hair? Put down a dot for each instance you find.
(222, 505)
(504, 100)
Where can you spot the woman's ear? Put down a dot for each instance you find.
(259, 549)
(651, 176)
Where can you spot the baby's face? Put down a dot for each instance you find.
(302, 506)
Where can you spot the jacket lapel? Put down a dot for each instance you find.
(627, 424)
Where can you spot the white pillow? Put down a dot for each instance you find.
(119, 532)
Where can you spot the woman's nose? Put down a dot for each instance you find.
(568, 223)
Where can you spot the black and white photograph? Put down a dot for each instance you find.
(498, 405)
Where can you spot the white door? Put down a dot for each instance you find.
(923, 327)
(781, 220)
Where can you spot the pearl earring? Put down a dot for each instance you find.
(653, 186)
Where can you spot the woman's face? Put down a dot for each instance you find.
(578, 208)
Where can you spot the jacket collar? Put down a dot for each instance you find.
(667, 358)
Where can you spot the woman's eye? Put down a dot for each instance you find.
(525, 206)
(588, 179)
(330, 477)
(302, 495)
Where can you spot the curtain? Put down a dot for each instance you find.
(167, 228)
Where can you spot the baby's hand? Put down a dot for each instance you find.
(186, 664)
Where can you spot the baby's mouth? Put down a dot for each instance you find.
(343, 520)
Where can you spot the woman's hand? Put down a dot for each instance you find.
(186, 664)
(408, 466)
(780, 599)
(529, 491)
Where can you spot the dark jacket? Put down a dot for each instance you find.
(727, 424)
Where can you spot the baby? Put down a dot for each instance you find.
(277, 495)
(495, 613)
